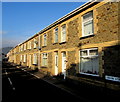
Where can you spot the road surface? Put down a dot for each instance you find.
(19, 86)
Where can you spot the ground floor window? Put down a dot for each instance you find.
(89, 61)
(44, 59)
(35, 58)
(21, 58)
(24, 58)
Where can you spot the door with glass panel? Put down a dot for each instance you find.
(56, 63)
(64, 64)
(30, 58)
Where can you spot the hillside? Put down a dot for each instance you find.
(5, 50)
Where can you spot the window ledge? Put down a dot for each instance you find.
(55, 43)
(43, 66)
(62, 42)
(43, 46)
(35, 64)
(84, 37)
(97, 77)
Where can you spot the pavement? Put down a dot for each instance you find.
(81, 93)
(84, 92)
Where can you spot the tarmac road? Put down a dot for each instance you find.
(19, 86)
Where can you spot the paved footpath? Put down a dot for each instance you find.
(23, 85)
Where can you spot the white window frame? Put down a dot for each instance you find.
(84, 35)
(35, 60)
(39, 45)
(25, 46)
(56, 33)
(21, 57)
(24, 59)
(29, 44)
(21, 47)
(35, 43)
(62, 32)
(45, 40)
(44, 57)
(90, 56)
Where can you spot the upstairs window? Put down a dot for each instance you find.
(56, 35)
(35, 42)
(87, 24)
(63, 33)
(39, 44)
(25, 46)
(29, 45)
(21, 47)
(45, 40)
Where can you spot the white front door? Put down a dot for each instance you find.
(30, 58)
(27, 60)
(56, 63)
(64, 64)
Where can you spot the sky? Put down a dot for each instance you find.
(21, 20)
(43, 0)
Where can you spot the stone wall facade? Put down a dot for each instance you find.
(106, 18)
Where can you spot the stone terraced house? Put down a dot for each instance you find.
(83, 45)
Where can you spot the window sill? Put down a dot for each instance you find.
(84, 37)
(62, 42)
(88, 76)
(55, 43)
(34, 64)
(43, 46)
(28, 49)
(96, 75)
(43, 66)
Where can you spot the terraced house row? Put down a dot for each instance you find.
(83, 45)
